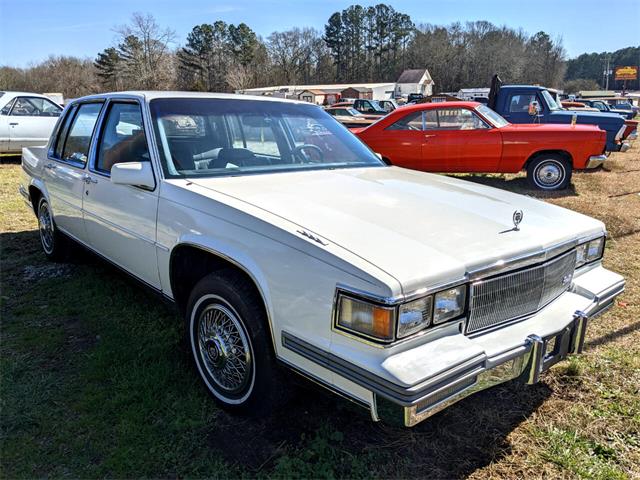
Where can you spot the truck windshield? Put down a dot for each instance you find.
(493, 117)
(551, 102)
(204, 137)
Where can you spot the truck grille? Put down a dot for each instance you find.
(514, 295)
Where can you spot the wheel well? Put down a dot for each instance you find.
(189, 264)
(34, 195)
(563, 153)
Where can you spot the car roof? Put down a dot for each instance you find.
(428, 106)
(10, 94)
(148, 95)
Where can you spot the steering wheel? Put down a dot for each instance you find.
(299, 152)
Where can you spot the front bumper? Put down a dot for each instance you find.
(596, 161)
(414, 383)
(526, 361)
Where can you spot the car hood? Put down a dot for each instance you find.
(420, 228)
(592, 117)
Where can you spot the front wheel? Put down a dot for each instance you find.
(549, 172)
(230, 342)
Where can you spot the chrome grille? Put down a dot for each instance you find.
(513, 295)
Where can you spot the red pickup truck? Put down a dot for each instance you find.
(470, 137)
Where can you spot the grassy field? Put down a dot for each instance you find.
(96, 381)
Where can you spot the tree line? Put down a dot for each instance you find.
(357, 44)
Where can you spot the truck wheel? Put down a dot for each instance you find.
(54, 243)
(549, 172)
(230, 342)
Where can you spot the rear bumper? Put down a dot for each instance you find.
(454, 366)
(596, 161)
(624, 146)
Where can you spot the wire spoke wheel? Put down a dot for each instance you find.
(224, 349)
(45, 225)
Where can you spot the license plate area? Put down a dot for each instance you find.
(556, 348)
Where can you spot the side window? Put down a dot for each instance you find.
(122, 138)
(520, 103)
(62, 132)
(412, 121)
(259, 135)
(35, 107)
(76, 145)
(459, 119)
(7, 108)
(431, 119)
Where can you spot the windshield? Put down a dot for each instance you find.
(495, 118)
(353, 111)
(376, 106)
(551, 102)
(204, 137)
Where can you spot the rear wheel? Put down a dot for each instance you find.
(549, 172)
(53, 242)
(230, 343)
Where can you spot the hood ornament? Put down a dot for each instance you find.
(517, 217)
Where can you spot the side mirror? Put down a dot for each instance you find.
(534, 108)
(137, 174)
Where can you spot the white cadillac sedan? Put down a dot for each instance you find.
(285, 242)
(26, 120)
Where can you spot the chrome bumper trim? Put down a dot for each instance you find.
(625, 146)
(25, 194)
(411, 405)
(596, 160)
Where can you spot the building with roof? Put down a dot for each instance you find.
(330, 92)
(416, 80)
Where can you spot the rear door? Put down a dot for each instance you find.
(458, 140)
(31, 122)
(120, 220)
(65, 172)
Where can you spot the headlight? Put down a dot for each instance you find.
(366, 318)
(589, 251)
(449, 304)
(414, 316)
(387, 323)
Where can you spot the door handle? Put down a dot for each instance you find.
(88, 179)
(13, 124)
(427, 137)
(51, 166)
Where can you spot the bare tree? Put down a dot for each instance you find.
(239, 77)
(147, 61)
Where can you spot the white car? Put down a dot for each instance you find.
(284, 241)
(26, 120)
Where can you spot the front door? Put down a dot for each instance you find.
(65, 169)
(458, 140)
(120, 219)
(517, 107)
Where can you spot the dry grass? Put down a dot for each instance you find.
(109, 405)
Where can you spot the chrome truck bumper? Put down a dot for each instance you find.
(455, 366)
(595, 161)
(624, 146)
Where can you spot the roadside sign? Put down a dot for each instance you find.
(626, 73)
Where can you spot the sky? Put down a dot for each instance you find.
(31, 30)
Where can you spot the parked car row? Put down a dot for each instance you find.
(286, 244)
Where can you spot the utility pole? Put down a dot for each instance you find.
(607, 72)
